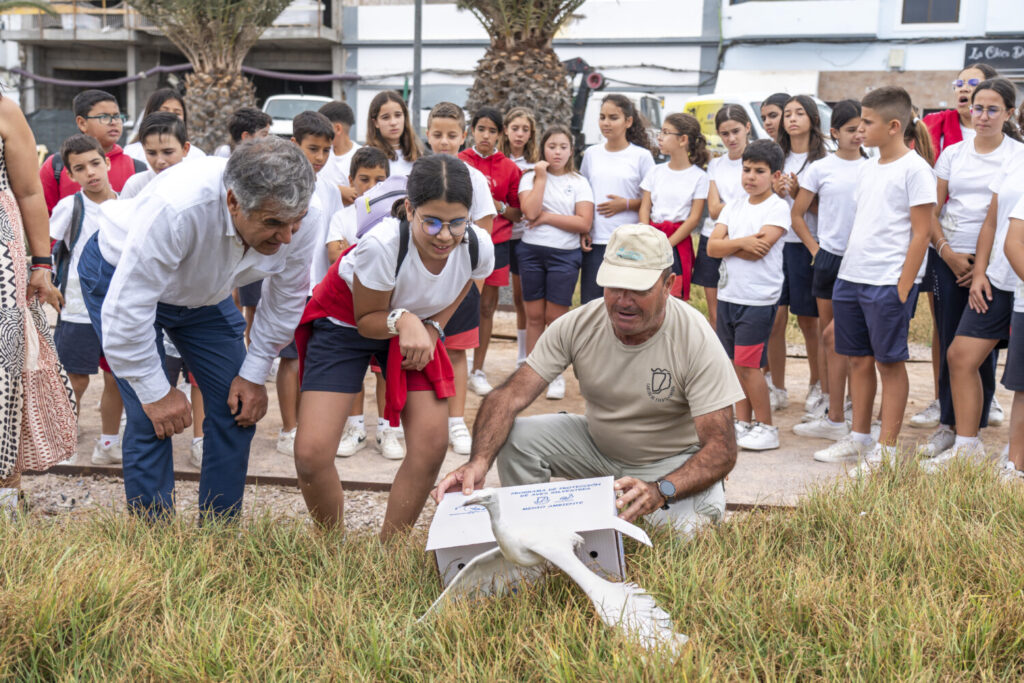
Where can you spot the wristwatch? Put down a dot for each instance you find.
(504, 207)
(393, 317)
(667, 489)
(437, 326)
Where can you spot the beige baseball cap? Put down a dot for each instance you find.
(635, 257)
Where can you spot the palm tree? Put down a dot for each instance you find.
(43, 7)
(215, 36)
(520, 68)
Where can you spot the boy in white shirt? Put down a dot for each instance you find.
(876, 289)
(336, 170)
(78, 346)
(747, 237)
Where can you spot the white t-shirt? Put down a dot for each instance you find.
(343, 226)
(967, 133)
(795, 164)
(133, 186)
(1009, 186)
(483, 203)
(753, 283)
(519, 228)
(673, 192)
(881, 230)
(224, 151)
(561, 194)
(1018, 294)
(727, 175)
(330, 201)
(834, 180)
(617, 173)
(74, 310)
(399, 166)
(416, 289)
(135, 151)
(336, 170)
(969, 175)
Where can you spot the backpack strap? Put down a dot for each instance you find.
(474, 248)
(58, 166)
(77, 219)
(140, 166)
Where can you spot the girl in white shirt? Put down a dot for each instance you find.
(164, 99)
(614, 171)
(803, 143)
(832, 181)
(674, 193)
(519, 143)
(725, 174)
(372, 304)
(559, 206)
(389, 129)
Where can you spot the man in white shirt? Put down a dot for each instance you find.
(167, 262)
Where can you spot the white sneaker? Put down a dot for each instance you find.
(286, 443)
(873, 461)
(195, 454)
(106, 455)
(968, 451)
(847, 448)
(781, 397)
(995, 414)
(760, 437)
(460, 439)
(929, 417)
(390, 445)
(818, 411)
(813, 397)
(353, 440)
(1009, 472)
(478, 383)
(556, 390)
(876, 429)
(941, 439)
(741, 428)
(821, 428)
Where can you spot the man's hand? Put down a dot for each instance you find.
(637, 498)
(468, 477)
(247, 401)
(170, 415)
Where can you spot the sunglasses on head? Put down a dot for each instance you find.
(959, 83)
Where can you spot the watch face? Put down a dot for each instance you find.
(666, 488)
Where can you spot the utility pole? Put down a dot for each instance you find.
(417, 61)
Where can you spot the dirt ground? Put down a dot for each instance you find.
(774, 477)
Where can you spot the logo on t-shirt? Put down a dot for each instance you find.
(660, 388)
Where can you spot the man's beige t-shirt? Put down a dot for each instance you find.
(640, 400)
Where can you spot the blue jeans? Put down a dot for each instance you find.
(210, 341)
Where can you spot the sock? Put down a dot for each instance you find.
(835, 424)
(863, 439)
(452, 421)
(521, 345)
(108, 440)
(381, 423)
(290, 431)
(357, 420)
(965, 441)
(196, 439)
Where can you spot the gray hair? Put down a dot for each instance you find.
(270, 169)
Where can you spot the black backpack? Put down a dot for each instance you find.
(63, 248)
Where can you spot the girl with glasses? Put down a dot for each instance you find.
(953, 125)
(390, 297)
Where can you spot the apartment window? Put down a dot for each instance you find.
(931, 11)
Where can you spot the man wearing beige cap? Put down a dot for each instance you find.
(658, 387)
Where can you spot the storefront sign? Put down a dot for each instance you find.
(1007, 56)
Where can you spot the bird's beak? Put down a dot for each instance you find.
(472, 500)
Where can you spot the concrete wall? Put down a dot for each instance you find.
(928, 90)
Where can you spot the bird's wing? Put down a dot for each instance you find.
(624, 606)
(487, 573)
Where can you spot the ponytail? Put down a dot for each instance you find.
(636, 134)
(920, 138)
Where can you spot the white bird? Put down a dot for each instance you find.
(526, 551)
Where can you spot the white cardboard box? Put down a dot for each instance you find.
(586, 506)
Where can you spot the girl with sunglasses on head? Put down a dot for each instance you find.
(953, 125)
(390, 297)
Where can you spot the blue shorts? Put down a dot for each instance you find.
(825, 274)
(928, 281)
(1013, 375)
(871, 321)
(705, 268)
(513, 259)
(994, 324)
(744, 331)
(548, 273)
(289, 352)
(249, 295)
(467, 316)
(78, 347)
(797, 280)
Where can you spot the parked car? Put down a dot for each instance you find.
(284, 108)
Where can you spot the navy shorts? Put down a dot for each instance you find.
(744, 331)
(467, 316)
(502, 255)
(994, 324)
(548, 273)
(513, 258)
(705, 268)
(871, 321)
(928, 281)
(78, 347)
(797, 280)
(249, 295)
(289, 352)
(1013, 375)
(825, 273)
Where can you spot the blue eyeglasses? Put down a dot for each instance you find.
(433, 225)
(992, 111)
(959, 83)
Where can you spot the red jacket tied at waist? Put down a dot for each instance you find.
(333, 298)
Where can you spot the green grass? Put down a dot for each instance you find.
(904, 578)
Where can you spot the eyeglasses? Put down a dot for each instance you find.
(959, 83)
(992, 111)
(662, 133)
(434, 226)
(107, 119)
